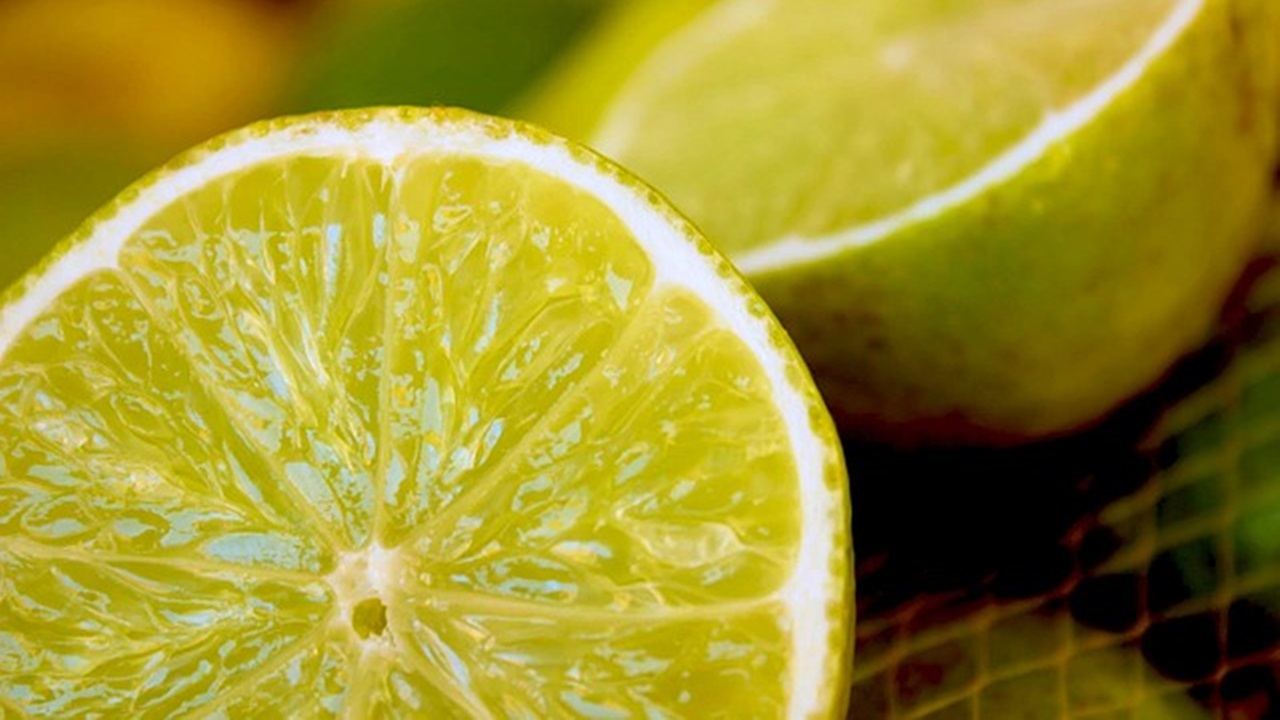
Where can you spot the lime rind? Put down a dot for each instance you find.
(821, 643)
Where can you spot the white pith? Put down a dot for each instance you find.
(718, 24)
(387, 138)
(362, 574)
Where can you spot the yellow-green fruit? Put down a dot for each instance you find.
(995, 666)
(404, 413)
(987, 220)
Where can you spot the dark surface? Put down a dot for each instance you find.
(970, 526)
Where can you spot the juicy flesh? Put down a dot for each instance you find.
(342, 437)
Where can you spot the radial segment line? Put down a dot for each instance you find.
(244, 683)
(215, 501)
(209, 499)
(411, 655)
(485, 481)
(113, 559)
(517, 608)
(377, 478)
(215, 392)
(385, 440)
(356, 701)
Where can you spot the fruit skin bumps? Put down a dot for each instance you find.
(1042, 304)
(1059, 289)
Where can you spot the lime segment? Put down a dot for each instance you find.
(405, 412)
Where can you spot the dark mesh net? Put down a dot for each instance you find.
(1130, 572)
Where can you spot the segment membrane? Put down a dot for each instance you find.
(140, 639)
(506, 289)
(657, 483)
(315, 682)
(569, 486)
(271, 283)
(521, 662)
(109, 444)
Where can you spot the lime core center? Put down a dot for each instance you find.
(363, 584)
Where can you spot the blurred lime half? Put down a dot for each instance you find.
(981, 220)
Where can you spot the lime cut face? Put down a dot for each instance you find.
(397, 413)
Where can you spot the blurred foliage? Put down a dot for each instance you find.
(155, 72)
(570, 98)
(96, 92)
(45, 195)
(478, 54)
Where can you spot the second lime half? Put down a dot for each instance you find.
(983, 220)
